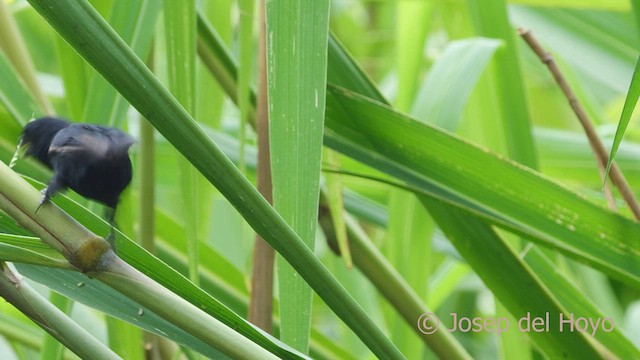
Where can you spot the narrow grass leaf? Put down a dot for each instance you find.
(74, 72)
(577, 303)
(481, 182)
(180, 35)
(211, 96)
(14, 95)
(491, 20)
(413, 19)
(247, 49)
(14, 47)
(450, 81)
(514, 291)
(629, 105)
(135, 23)
(335, 198)
(20, 248)
(297, 34)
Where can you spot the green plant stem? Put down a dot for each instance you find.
(18, 199)
(21, 295)
(130, 282)
(27, 335)
(370, 261)
(147, 186)
(146, 203)
(210, 45)
(246, 45)
(29, 250)
(395, 289)
(91, 254)
(13, 45)
(52, 349)
(334, 197)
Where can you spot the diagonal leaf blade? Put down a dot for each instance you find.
(629, 105)
(477, 180)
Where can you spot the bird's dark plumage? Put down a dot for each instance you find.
(89, 159)
(38, 135)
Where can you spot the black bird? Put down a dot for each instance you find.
(92, 160)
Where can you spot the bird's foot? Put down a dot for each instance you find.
(111, 239)
(45, 197)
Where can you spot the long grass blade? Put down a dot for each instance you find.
(297, 34)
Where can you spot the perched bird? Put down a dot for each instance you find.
(89, 159)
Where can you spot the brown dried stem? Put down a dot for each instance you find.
(616, 176)
(261, 304)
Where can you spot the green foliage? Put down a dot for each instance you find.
(421, 98)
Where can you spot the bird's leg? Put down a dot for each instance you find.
(55, 185)
(110, 214)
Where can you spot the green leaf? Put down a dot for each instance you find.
(180, 35)
(297, 34)
(211, 96)
(514, 291)
(613, 5)
(14, 95)
(75, 77)
(413, 19)
(336, 203)
(135, 22)
(629, 105)
(20, 248)
(491, 20)
(577, 303)
(472, 178)
(451, 80)
(247, 49)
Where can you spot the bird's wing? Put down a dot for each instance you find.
(82, 140)
(121, 140)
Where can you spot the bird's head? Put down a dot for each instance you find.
(38, 134)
